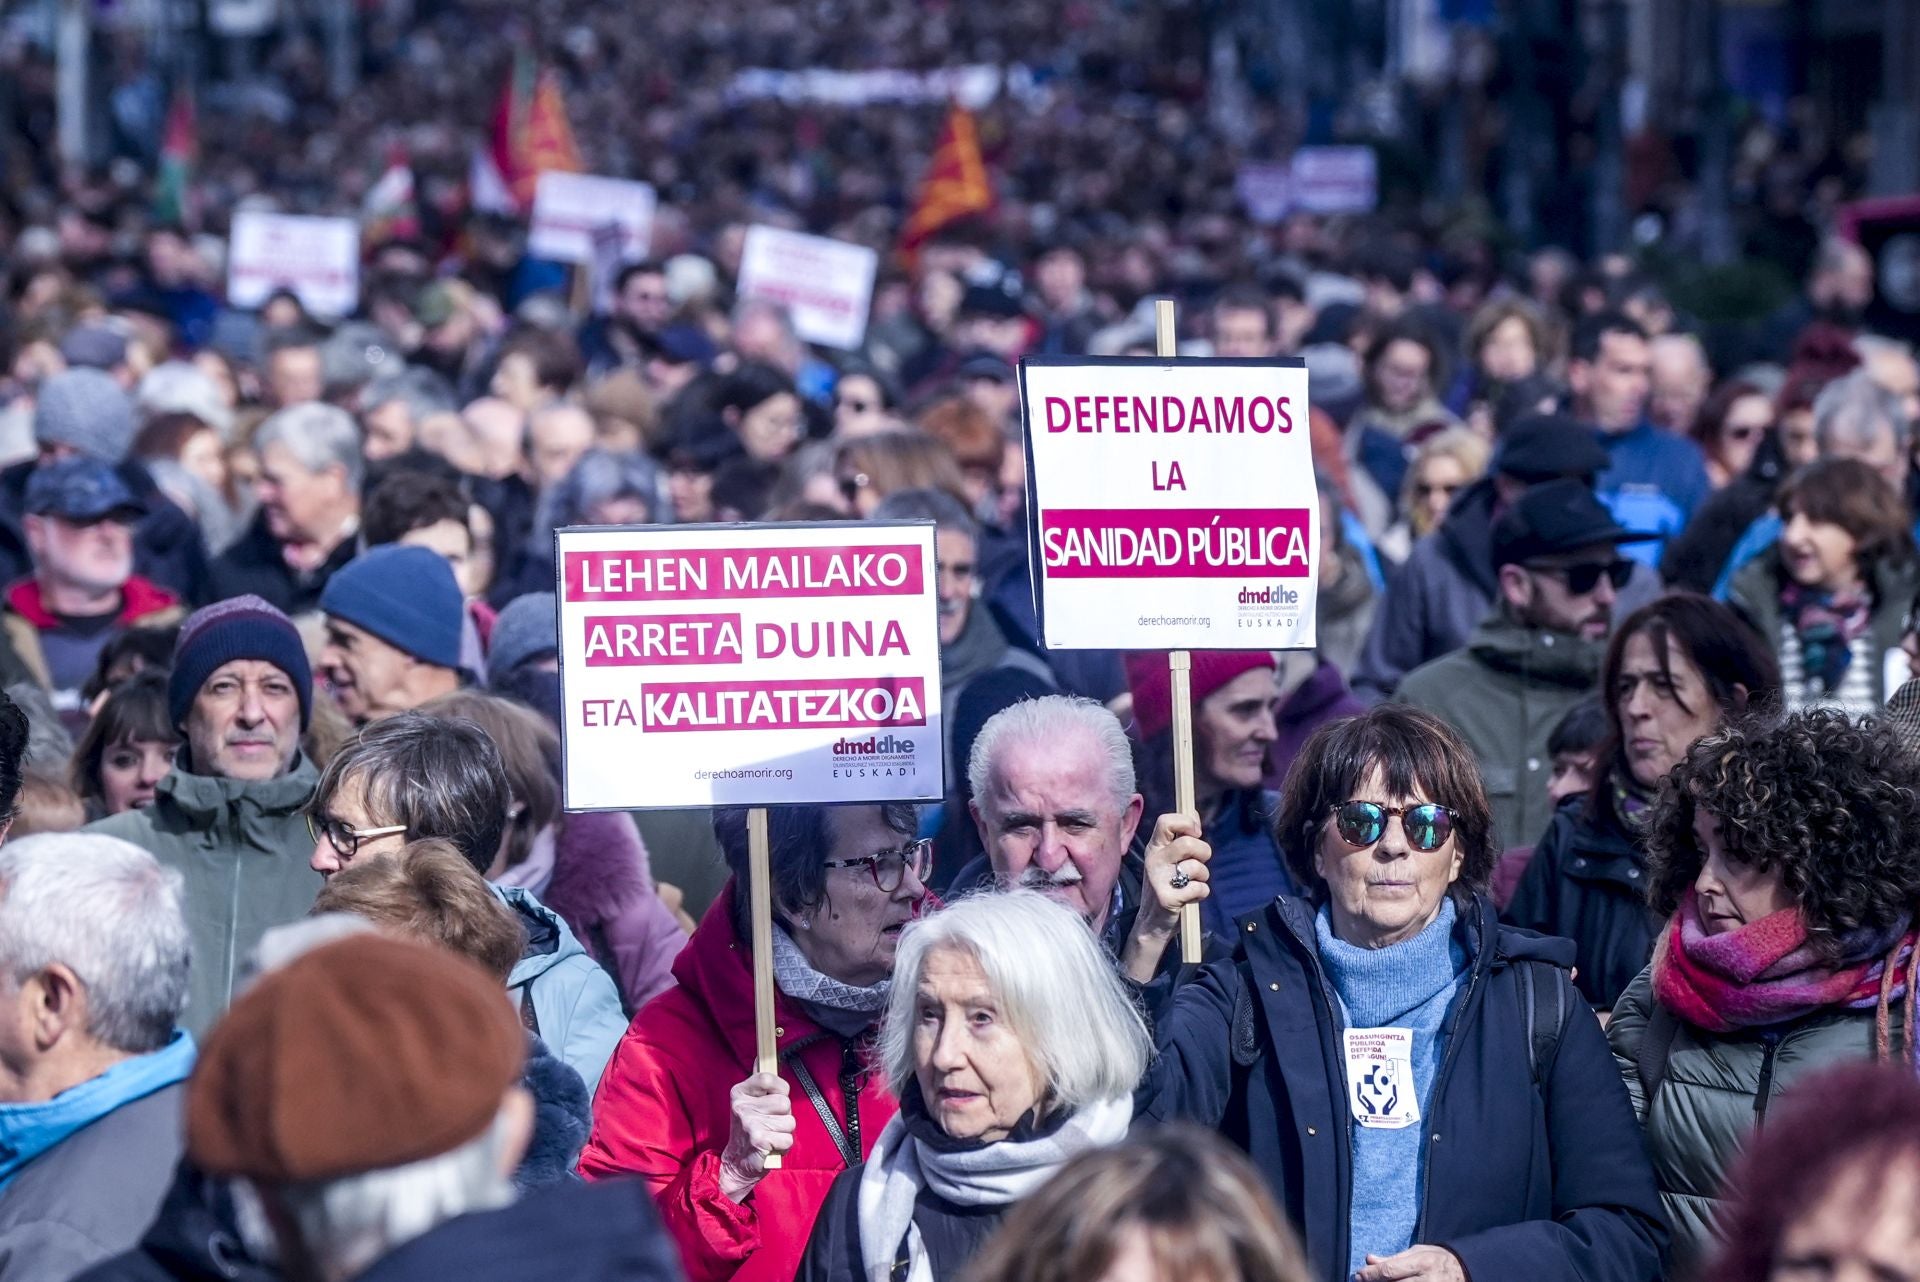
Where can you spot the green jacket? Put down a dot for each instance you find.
(1710, 1097)
(244, 851)
(1504, 692)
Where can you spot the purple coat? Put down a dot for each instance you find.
(1323, 697)
(603, 888)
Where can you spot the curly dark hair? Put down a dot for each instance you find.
(1861, 1120)
(1831, 802)
(1418, 753)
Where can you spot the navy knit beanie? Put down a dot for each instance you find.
(241, 627)
(404, 595)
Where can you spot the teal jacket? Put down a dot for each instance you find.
(244, 851)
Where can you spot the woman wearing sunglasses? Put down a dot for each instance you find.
(1831, 596)
(1729, 429)
(1675, 671)
(1422, 1086)
(680, 1103)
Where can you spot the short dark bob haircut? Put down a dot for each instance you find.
(440, 776)
(1831, 802)
(799, 842)
(1417, 753)
(1856, 1122)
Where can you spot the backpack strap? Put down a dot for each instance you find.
(1656, 1042)
(1543, 1007)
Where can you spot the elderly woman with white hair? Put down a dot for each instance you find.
(1012, 1046)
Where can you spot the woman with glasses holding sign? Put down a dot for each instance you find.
(681, 1104)
(1424, 1088)
(1831, 597)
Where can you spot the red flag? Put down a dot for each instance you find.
(179, 148)
(531, 134)
(955, 185)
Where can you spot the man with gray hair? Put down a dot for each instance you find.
(1854, 417)
(1055, 802)
(93, 977)
(309, 487)
(394, 407)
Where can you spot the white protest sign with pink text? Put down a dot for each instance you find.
(1172, 503)
(749, 665)
(826, 285)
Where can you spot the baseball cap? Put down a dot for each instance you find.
(1552, 519)
(80, 489)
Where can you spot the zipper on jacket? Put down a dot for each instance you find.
(851, 1075)
(1480, 963)
(1343, 1126)
(1770, 1048)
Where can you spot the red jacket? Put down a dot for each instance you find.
(662, 1113)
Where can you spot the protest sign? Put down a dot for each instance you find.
(825, 285)
(1335, 180)
(318, 259)
(1265, 189)
(1173, 504)
(749, 665)
(569, 208)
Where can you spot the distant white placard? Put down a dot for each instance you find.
(825, 285)
(1173, 503)
(316, 258)
(1335, 180)
(1265, 189)
(569, 208)
(749, 665)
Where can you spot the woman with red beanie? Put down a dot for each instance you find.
(1234, 693)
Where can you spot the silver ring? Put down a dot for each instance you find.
(1179, 880)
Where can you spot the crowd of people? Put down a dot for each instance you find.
(1559, 914)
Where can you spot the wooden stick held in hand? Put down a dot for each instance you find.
(767, 1050)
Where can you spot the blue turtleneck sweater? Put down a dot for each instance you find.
(1409, 985)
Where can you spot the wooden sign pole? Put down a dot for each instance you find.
(767, 1051)
(1180, 665)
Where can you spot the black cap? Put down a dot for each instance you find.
(994, 301)
(1552, 519)
(1542, 447)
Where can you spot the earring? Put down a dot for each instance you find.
(803, 923)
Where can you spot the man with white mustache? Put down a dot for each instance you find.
(1055, 802)
(230, 816)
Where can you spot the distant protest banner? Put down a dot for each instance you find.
(317, 259)
(749, 665)
(1173, 504)
(825, 285)
(569, 208)
(1335, 180)
(1265, 190)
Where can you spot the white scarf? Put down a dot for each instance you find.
(996, 1175)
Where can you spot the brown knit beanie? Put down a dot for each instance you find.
(364, 1054)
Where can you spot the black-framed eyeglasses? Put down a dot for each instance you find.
(1584, 577)
(889, 867)
(1364, 823)
(345, 839)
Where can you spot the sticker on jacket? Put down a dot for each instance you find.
(1380, 1077)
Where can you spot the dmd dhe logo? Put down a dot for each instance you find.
(1275, 594)
(885, 745)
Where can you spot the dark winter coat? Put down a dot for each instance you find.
(1246, 871)
(167, 547)
(1587, 882)
(1526, 1181)
(255, 564)
(193, 1238)
(607, 1232)
(1323, 697)
(1435, 599)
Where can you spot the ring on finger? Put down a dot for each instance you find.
(1180, 880)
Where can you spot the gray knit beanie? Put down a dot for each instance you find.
(85, 410)
(527, 628)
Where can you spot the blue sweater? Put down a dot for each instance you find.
(1406, 985)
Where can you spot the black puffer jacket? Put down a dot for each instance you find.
(1527, 1180)
(1588, 882)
